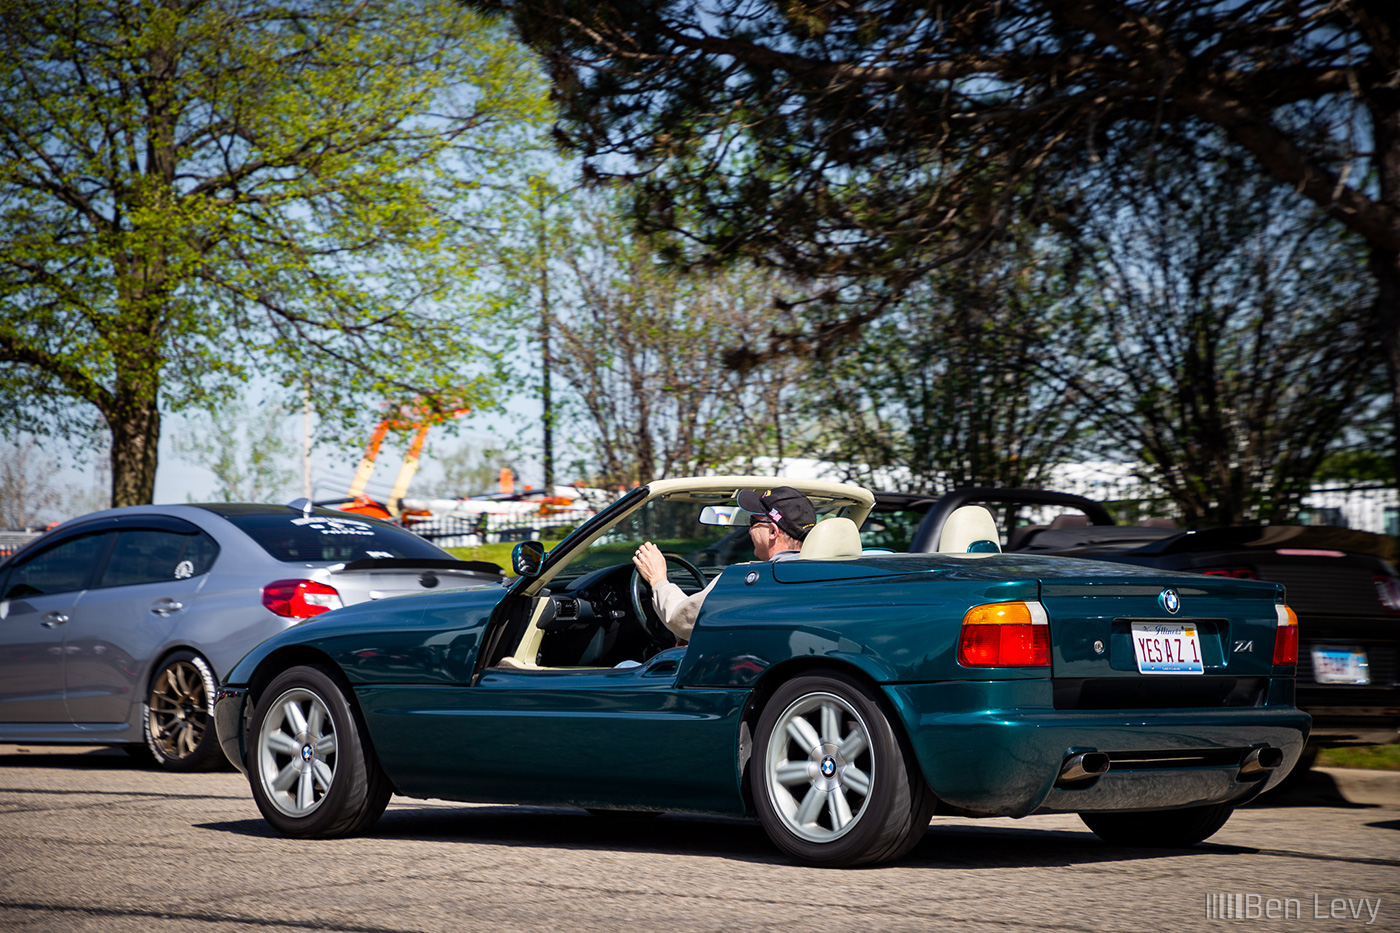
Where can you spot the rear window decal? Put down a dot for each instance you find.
(335, 526)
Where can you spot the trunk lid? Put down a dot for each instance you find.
(1117, 643)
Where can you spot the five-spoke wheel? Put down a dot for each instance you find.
(831, 779)
(309, 763)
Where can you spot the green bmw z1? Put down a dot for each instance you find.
(842, 696)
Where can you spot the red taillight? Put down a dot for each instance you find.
(1237, 573)
(1388, 589)
(1286, 637)
(300, 599)
(1005, 635)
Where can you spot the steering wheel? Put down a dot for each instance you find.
(642, 609)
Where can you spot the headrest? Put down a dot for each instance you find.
(832, 538)
(970, 530)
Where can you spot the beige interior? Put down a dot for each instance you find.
(965, 527)
(832, 539)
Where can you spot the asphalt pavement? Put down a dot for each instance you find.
(92, 841)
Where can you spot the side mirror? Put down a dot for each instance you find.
(526, 558)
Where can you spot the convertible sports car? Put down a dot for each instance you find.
(840, 696)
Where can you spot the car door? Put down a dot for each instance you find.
(144, 590)
(37, 598)
(627, 738)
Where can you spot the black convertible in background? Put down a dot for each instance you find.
(1342, 584)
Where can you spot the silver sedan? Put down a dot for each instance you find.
(116, 627)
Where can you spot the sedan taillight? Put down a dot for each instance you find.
(300, 599)
(1388, 589)
(1286, 636)
(1005, 635)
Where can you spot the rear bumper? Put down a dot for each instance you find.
(228, 724)
(997, 748)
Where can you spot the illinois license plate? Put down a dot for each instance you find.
(1167, 648)
(1340, 666)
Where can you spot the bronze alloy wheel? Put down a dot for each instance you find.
(179, 715)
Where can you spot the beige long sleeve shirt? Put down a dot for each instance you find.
(677, 610)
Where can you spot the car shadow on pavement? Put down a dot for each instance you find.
(96, 759)
(1314, 789)
(944, 845)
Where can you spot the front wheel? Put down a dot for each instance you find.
(1159, 829)
(831, 779)
(311, 769)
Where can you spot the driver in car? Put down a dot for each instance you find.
(779, 521)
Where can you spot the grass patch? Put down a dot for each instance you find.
(1374, 757)
(495, 553)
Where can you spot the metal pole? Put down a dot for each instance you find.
(544, 352)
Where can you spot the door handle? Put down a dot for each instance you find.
(167, 606)
(50, 619)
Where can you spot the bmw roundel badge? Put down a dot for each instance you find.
(1170, 601)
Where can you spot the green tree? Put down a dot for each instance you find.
(663, 379)
(877, 138)
(193, 194)
(28, 493)
(1225, 341)
(948, 389)
(466, 471)
(247, 450)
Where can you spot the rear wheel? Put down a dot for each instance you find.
(180, 715)
(1167, 829)
(311, 769)
(832, 782)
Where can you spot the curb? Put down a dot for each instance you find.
(1357, 785)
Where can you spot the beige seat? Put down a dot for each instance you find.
(970, 530)
(831, 539)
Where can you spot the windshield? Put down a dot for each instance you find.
(673, 524)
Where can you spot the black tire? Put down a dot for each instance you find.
(1159, 829)
(862, 808)
(179, 715)
(304, 792)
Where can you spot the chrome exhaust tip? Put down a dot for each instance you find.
(1260, 761)
(1082, 767)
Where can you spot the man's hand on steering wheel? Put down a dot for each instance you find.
(650, 563)
(649, 567)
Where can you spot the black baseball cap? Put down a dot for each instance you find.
(789, 509)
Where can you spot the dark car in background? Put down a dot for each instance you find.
(1342, 584)
(115, 627)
